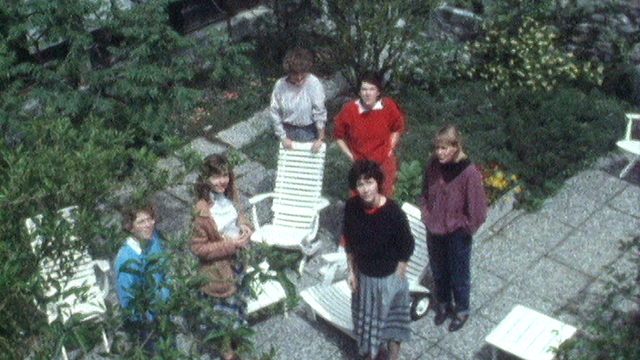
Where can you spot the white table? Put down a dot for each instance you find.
(529, 334)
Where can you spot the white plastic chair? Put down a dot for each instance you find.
(631, 141)
(268, 293)
(77, 294)
(332, 302)
(297, 201)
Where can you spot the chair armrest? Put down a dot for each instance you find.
(322, 203)
(254, 212)
(260, 197)
(338, 256)
(103, 266)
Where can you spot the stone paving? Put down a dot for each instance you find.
(551, 260)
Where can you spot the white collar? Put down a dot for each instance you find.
(361, 108)
(134, 244)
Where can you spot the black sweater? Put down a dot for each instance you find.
(377, 241)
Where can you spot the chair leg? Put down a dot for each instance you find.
(303, 262)
(64, 353)
(105, 341)
(628, 167)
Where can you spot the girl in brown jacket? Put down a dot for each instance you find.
(220, 232)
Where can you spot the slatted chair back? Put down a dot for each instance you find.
(631, 142)
(418, 261)
(70, 284)
(332, 301)
(298, 186)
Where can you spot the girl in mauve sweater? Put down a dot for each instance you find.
(454, 206)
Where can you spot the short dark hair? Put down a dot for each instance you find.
(129, 215)
(365, 169)
(297, 61)
(372, 78)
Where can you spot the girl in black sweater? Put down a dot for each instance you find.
(379, 244)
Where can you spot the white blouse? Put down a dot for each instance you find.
(225, 215)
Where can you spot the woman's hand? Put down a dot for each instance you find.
(245, 229)
(287, 143)
(401, 269)
(241, 241)
(317, 145)
(353, 282)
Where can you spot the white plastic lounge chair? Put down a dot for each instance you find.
(297, 201)
(268, 293)
(528, 334)
(77, 294)
(333, 302)
(631, 141)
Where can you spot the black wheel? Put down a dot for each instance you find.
(419, 306)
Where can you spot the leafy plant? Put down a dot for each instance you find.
(372, 35)
(523, 53)
(544, 137)
(409, 184)
(497, 182)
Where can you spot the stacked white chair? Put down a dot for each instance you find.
(297, 201)
(631, 142)
(332, 301)
(71, 290)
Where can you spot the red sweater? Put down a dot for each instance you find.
(452, 204)
(368, 135)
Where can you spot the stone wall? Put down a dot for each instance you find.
(598, 30)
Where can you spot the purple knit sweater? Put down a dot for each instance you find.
(459, 203)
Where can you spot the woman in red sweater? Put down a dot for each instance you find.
(369, 128)
(454, 205)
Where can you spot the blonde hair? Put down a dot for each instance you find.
(450, 135)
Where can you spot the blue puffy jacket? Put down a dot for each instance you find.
(130, 266)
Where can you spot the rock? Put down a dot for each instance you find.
(244, 133)
(205, 147)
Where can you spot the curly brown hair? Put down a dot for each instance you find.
(130, 214)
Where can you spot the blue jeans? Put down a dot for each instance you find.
(450, 260)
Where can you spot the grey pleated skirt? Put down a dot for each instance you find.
(381, 312)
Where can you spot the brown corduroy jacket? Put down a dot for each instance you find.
(215, 253)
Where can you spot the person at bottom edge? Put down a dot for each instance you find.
(379, 244)
(454, 206)
(141, 272)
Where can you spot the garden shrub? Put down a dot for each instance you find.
(542, 137)
(523, 53)
(373, 35)
(553, 135)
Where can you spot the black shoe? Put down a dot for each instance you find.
(442, 313)
(458, 322)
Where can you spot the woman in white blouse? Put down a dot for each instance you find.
(297, 102)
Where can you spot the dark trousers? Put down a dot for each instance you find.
(450, 260)
(307, 133)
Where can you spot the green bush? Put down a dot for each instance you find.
(543, 137)
(371, 35)
(523, 53)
